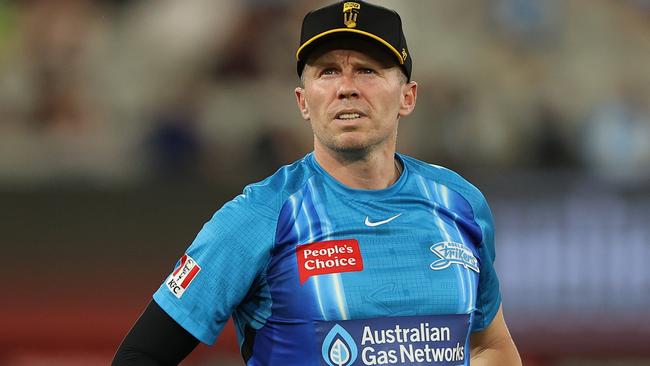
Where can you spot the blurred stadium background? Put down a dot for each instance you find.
(124, 124)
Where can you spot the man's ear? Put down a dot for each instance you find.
(302, 103)
(408, 99)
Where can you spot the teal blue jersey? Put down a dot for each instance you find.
(316, 273)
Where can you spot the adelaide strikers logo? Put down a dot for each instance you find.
(339, 348)
(453, 253)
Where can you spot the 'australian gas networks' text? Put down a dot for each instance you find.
(409, 345)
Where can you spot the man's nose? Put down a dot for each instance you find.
(347, 87)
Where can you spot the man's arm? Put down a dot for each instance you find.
(155, 339)
(494, 346)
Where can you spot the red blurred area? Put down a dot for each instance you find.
(81, 318)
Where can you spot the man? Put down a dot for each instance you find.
(353, 255)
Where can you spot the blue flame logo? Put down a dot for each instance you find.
(339, 348)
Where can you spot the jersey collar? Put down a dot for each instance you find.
(361, 194)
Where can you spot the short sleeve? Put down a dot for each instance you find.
(231, 251)
(489, 296)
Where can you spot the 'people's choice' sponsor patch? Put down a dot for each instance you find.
(333, 256)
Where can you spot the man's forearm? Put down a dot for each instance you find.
(501, 353)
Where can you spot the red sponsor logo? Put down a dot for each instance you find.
(181, 278)
(333, 256)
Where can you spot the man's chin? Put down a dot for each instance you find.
(351, 147)
(350, 143)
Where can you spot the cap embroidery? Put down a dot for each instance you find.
(404, 54)
(350, 14)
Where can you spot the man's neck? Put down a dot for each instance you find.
(374, 170)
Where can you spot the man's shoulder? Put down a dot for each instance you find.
(435, 172)
(275, 189)
(444, 176)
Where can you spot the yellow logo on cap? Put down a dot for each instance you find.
(350, 14)
(404, 54)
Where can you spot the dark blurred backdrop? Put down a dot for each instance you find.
(125, 124)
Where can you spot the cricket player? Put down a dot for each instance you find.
(354, 254)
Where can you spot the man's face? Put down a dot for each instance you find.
(353, 95)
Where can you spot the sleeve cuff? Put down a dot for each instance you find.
(200, 331)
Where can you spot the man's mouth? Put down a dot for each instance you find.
(348, 116)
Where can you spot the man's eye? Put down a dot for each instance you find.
(329, 71)
(367, 71)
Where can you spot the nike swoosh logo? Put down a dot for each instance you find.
(372, 224)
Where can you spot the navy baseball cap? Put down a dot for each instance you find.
(354, 19)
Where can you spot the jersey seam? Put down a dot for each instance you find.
(263, 275)
(469, 203)
(480, 302)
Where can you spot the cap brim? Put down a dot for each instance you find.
(315, 38)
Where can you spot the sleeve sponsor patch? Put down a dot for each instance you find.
(182, 276)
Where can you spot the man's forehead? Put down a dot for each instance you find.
(362, 48)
